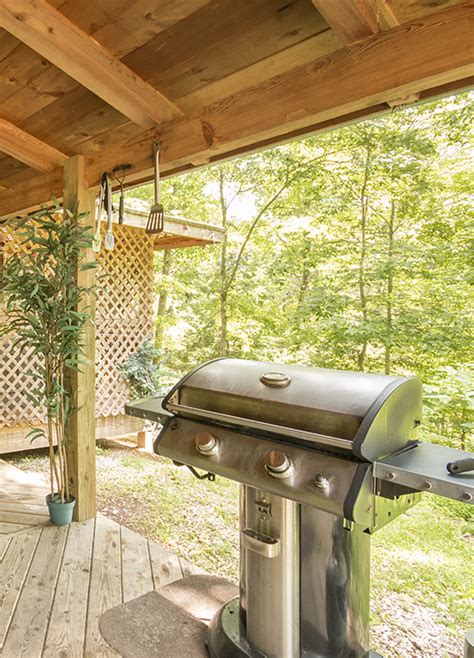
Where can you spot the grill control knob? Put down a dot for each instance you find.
(321, 481)
(277, 464)
(205, 443)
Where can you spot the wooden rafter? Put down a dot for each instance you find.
(356, 20)
(47, 31)
(28, 149)
(332, 90)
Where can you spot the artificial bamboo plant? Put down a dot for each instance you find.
(45, 310)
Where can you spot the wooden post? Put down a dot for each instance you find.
(80, 447)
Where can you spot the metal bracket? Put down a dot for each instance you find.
(205, 476)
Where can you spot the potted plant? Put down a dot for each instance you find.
(42, 299)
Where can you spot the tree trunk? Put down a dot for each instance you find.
(223, 287)
(162, 299)
(389, 304)
(363, 202)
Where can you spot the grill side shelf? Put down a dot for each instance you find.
(149, 409)
(424, 468)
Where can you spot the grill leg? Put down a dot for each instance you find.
(270, 572)
(306, 598)
(335, 586)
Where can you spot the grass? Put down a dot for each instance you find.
(421, 562)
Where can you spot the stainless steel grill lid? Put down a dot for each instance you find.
(369, 416)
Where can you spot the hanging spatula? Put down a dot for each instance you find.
(97, 240)
(156, 218)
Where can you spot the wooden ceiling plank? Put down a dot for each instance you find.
(192, 36)
(344, 83)
(277, 33)
(141, 21)
(132, 28)
(281, 62)
(409, 11)
(44, 29)
(357, 20)
(11, 169)
(28, 149)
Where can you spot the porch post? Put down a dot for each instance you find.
(80, 447)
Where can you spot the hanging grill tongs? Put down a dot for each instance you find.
(109, 235)
(156, 219)
(97, 241)
(119, 172)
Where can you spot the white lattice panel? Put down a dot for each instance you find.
(124, 320)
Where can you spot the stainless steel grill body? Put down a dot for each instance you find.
(368, 416)
(324, 458)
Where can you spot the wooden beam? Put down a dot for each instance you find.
(81, 432)
(356, 20)
(28, 149)
(341, 87)
(47, 31)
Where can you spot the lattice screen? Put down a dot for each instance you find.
(124, 320)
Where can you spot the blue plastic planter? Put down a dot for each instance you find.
(60, 513)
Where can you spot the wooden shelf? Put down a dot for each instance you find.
(178, 232)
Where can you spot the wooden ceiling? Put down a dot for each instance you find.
(209, 78)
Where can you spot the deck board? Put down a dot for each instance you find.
(67, 624)
(165, 566)
(136, 568)
(14, 568)
(106, 584)
(29, 624)
(55, 583)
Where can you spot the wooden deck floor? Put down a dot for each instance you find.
(55, 582)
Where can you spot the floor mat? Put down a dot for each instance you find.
(169, 622)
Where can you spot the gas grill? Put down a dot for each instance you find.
(325, 458)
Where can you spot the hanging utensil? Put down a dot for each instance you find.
(156, 218)
(109, 235)
(97, 240)
(119, 173)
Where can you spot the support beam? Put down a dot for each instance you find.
(342, 87)
(80, 447)
(356, 20)
(28, 149)
(47, 31)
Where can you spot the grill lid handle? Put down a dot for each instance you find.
(275, 379)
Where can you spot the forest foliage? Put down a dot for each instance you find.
(349, 249)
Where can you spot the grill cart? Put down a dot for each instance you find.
(324, 459)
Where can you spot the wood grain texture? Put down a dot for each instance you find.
(13, 439)
(357, 20)
(105, 584)
(323, 92)
(4, 544)
(67, 624)
(14, 567)
(136, 568)
(26, 148)
(55, 583)
(46, 30)
(24, 517)
(254, 41)
(304, 52)
(134, 24)
(81, 430)
(29, 623)
(165, 566)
